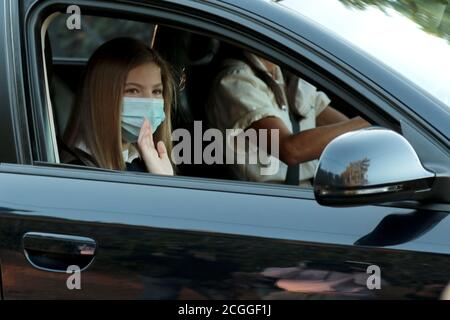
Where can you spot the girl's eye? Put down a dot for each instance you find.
(132, 91)
(157, 92)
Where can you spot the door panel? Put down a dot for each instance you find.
(156, 242)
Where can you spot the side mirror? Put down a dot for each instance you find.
(370, 166)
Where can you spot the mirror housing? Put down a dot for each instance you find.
(369, 166)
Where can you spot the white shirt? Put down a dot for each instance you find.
(239, 98)
(130, 154)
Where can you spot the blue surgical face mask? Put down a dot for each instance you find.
(135, 110)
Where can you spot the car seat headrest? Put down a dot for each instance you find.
(202, 50)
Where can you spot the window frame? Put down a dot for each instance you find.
(16, 144)
(325, 71)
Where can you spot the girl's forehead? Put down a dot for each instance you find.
(145, 73)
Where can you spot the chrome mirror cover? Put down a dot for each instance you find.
(369, 166)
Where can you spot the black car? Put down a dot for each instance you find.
(374, 226)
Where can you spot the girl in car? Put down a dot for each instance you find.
(122, 120)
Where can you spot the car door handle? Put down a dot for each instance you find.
(56, 252)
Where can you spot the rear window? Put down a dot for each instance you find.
(95, 31)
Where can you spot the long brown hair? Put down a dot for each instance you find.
(96, 120)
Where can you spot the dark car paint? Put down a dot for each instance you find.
(162, 249)
(181, 238)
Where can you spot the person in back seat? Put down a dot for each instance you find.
(125, 104)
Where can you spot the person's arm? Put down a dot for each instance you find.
(306, 145)
(330, 116)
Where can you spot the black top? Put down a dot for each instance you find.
(78, 157)
(136, 165)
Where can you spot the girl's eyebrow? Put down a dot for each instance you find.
(133, 84)
(157, 85)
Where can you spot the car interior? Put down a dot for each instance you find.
(191, 55)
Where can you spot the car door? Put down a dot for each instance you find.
(159, 238)
(137, 236)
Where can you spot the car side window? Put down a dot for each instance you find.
(232, 110)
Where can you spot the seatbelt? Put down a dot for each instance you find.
(293, 172)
